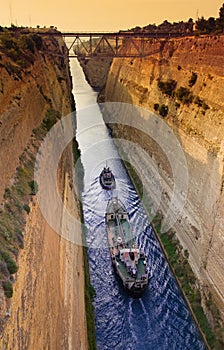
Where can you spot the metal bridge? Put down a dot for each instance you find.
(111, 44)
(121, 44)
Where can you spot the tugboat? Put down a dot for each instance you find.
(107, 179)
(128, 260)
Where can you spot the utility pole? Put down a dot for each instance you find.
(10, 12)
(197, 14)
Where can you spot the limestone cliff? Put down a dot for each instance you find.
(96, 71)
(47, 309)
(194, 65)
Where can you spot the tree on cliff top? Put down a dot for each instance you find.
(211, 25)
(221, 18)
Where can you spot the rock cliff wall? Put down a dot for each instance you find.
(47, 310)
(196, 64)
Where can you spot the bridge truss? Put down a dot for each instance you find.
(122, 44)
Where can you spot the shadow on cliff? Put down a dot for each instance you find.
(205, 180)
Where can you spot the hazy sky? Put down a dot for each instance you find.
(103, 14)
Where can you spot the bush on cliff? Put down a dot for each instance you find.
(26, 208)
(20, 48)
(167, 87)
(10, 263)
(7, 286)
(211, 25)
(156, 106)
(50, 118)
(163, 110)
(38, 41)
(34, 187)
(220, 20)
(198, 101)
(192, 79)
(184, 95)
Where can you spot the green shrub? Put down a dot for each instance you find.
(14, 54)
(7, 193)
(8, 42)
(163, 110)
(167, 87)
(184, 95)
(30, 44)
(50, 118)
(198, 101)
(34, 187)
(26, 43)
(205, 106)
(92, 292)
(8, 289)
(156, 106)
(192, 79)
(26, 208)
(10, 263)
(21, 63)
(179, 270)
(38, 41)
(11, 266)
(3, 269)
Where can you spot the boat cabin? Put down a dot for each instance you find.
(120, 216)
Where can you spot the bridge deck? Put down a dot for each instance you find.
(121, 44)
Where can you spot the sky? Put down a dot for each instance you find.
(103, 15)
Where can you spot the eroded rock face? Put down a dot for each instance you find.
(47, 310)
(200, 131)
(25, 95)
(96, 71)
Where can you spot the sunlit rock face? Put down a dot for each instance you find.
(195, 64)
(47, 309)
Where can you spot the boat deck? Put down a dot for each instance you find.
(122, 230)
(128, 261)
(124, 272)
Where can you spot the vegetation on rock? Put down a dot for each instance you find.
(17, 197)
(184, 95)
(167, 87)
(193, 79)
(201, 26)
(163, 110)
(90, 292)
(8, 289)
(211, 25)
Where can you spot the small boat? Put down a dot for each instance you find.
(107, 179)
(128, 260)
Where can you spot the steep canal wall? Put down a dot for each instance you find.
(183, 85)
(46, 307)
(123, 322)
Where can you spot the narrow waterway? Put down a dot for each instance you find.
(160, 319)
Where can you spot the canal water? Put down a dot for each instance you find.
(160, 320)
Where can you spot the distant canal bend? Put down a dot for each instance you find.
(159, 320)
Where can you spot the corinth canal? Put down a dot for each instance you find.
(160, 320)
